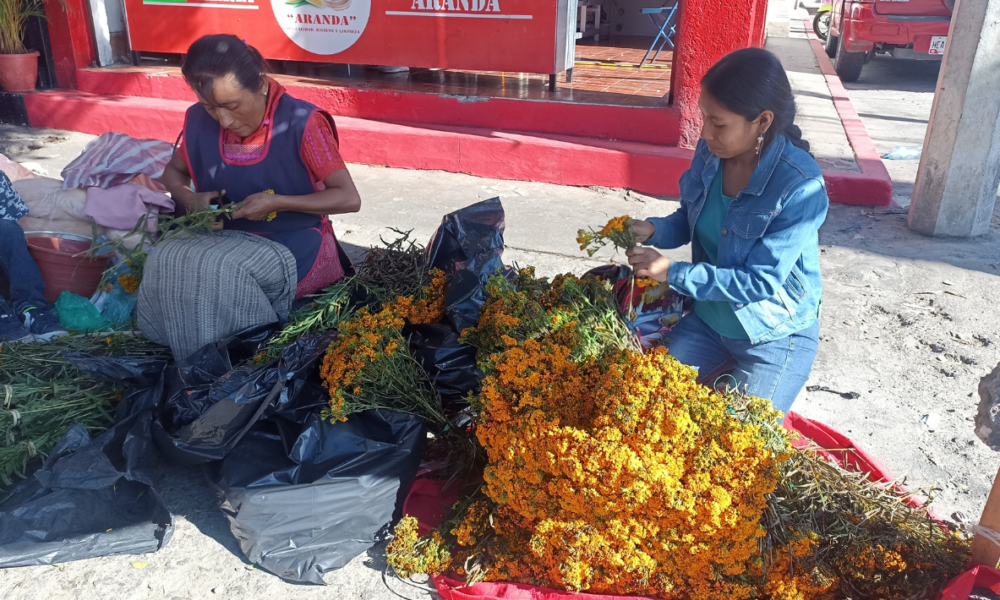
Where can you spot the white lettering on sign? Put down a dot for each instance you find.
(457, 5)
(472, 9)
(322, 26)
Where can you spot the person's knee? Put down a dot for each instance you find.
(10, 230)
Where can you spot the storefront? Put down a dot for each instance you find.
(477, 35)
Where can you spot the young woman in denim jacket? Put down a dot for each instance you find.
(752, 204)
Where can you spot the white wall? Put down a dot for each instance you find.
(625, 13)
(116, 15)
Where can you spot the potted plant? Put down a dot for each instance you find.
(18, 66)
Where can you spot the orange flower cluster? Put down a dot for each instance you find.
(621, 475)
(364, 344)
(129, 283)
(473, 525)
(429, 309)
(782, 584)
(645, 282)
(616, 225)
(617, 231)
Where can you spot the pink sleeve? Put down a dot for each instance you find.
(320, 150)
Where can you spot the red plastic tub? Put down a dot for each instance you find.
(63, 266)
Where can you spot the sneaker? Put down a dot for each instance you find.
(11, 330)
(42, 324)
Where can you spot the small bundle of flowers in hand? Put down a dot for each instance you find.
(617, 232)
(273, 214)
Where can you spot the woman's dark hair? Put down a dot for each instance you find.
(215, 56)
(750, 81)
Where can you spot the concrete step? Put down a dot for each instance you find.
(566, 160)
(561, 113)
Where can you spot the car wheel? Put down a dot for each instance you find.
(831, 44)
(848, 64)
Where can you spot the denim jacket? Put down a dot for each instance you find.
(768, 261)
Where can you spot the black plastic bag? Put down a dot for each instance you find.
(304, 500)
(209, 405)
(450, 364)
(142, 376)
(90, 498)
(468, 247)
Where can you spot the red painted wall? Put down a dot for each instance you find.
(71, 38)
(707, 31)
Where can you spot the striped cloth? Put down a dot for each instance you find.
(115, 158)
(204, 287)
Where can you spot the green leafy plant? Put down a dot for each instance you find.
(13, 16)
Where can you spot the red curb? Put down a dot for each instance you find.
(873, 186)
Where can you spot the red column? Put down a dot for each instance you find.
(72, 41)
(707, 31)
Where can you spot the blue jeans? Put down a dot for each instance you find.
(26, 286)
(776, 370)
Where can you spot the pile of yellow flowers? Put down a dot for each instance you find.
(613, 471)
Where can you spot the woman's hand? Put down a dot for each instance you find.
(648, 263)
(204, 201)
(258, 206)
(643, 230)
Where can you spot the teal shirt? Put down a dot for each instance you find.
(718, 315)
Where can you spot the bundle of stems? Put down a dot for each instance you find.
(618, 233)
(142, 238)
(35, 416)
(42, 395)
(370, 366)
(328, 309)
(22, 363)
(870, 539)
(398, 269)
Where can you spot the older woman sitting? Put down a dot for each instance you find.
(276, 157)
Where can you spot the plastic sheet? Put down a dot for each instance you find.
(978, 583)
(90, 498)
(468, 247)
(77, 314)
(209, 405)
(451, 365)
(304, 500)
(650, 313)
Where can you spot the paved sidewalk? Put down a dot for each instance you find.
(902, 325)
(817, 116)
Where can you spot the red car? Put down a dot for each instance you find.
(903, 28)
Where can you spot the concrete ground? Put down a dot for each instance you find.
(907, 324)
